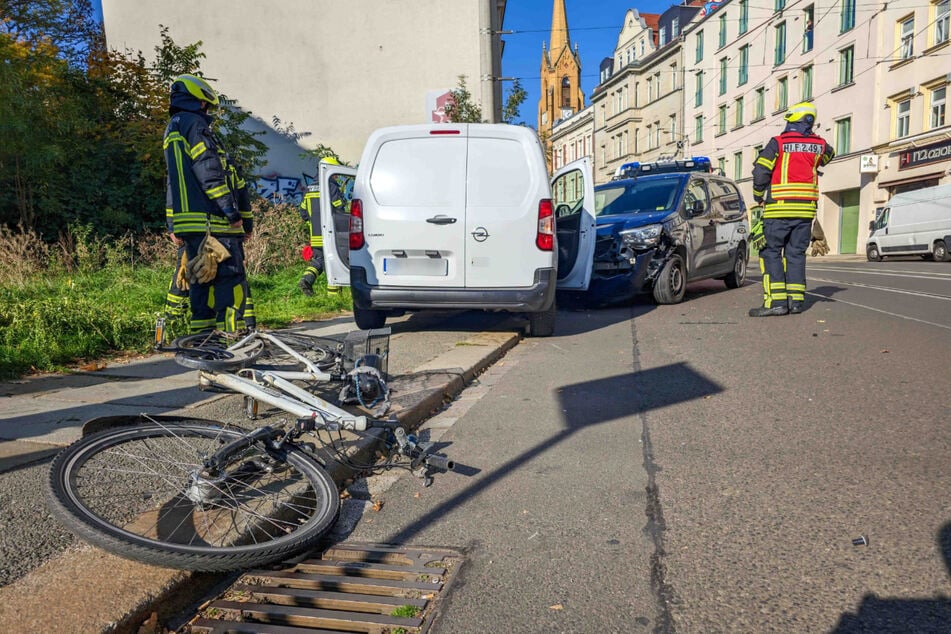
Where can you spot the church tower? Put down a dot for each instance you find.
(561, 94)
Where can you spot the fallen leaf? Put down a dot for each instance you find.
(884, 351)
(345, 495)
(377, 505)
(416, 495)
(557, 606)
(820, 321)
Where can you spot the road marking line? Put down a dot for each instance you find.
(879, 310)
(886, 273)
(885, 288)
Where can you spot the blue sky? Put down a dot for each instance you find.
(592, 24)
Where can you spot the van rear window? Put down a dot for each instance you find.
(422, 172)
(499, 174)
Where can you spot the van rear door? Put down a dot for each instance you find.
(414, 215)
(335, 220)
(572, 191)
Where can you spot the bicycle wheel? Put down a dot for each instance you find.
(216, 351)
(323, 352)
(141, 492)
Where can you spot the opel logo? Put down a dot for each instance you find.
(480, 234)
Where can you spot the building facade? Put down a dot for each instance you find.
(561, 94)
(334, 70)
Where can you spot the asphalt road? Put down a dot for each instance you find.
(688, 468)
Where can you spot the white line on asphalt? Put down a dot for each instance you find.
(879, 310)
(885, 288)
(886, 273)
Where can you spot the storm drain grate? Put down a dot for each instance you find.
(350, 587)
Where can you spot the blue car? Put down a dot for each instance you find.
(662, 225)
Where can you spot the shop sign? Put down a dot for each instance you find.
(933, 153)
(868, 164)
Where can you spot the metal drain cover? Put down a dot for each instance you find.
(350, 587)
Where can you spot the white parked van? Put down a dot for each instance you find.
(459, 216)
(913, 223)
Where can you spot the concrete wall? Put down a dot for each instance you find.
(337, 70)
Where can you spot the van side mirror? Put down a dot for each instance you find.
(871, 225)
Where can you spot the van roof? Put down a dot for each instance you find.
(926, 194)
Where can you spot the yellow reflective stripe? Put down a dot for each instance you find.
(175, 299)
(217, 192)
(788, 189)
(246, 214)
(311, 195)
(173, 137)
(337, 203)
(180, 167)
(317, 241)
(196, 151)
(765, 162)
(169, 212)
(784, 170)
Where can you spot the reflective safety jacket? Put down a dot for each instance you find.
(786, 175)
(203, 185)
(310, 211)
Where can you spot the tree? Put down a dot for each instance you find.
(460, 108)
(513, 102)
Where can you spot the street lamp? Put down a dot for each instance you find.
(683, 141)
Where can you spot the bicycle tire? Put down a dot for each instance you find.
(151, 518)
(323, 352)
(215, 351)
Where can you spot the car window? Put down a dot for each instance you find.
(696, 191)
(726, 199)
(637, 196)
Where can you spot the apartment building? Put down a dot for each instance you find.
(572, 138)
(334, 70)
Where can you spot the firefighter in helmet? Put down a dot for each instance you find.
(786, 183)
(310, 213)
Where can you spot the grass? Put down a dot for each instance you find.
(56, 321)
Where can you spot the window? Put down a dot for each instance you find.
(721, 166)
(941, 13)
(698, 90)
(906, 36)
(650, 89)
(673, 76)
(698, 129)
(744, 74)
(744, 16)
(642, 48)
(782, 93)
(637, 94)
(699, 55)
(657, 134)
(806, 83)
(565, 92)
(938, 100)
(662, 36)
(673, 128)
(759, 104)
(903, 118)
(779, 5)
(846, 66)
(675, 27)
(722, 41)
(808, 17)
(723, 76)
(843, 136)
(738, 119)
(847, 18)
(756, 151)
(779, 52)
(737, 166)
(650, 137)
(721, 121)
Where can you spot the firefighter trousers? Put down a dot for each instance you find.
(176, 299)
(223, 303)
(784, 260)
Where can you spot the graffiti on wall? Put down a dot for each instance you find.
(283, 189)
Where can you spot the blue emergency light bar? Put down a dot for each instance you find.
(636, 168)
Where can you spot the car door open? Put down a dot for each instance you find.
(572, 190)
(336, 191)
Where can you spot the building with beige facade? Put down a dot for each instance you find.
(334, 70)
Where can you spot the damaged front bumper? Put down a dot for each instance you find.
(621, 273)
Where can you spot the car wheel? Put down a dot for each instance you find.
(672, 281)
(368, 319)
(940, 251)
(736, 278)
(542, 324)
(871, 252)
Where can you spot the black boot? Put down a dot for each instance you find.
(306, 285)
(762, 311)
(796, 307)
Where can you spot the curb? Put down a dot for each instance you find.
(132, 592)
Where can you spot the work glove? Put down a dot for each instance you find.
(181, 279)
(203, 268)
(757, 237)
(819, 245)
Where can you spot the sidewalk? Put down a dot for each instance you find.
(87, 590)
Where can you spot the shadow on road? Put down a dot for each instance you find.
(931, 615)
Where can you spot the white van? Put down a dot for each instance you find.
(459, 216)
(914, 223)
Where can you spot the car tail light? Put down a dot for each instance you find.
(545, 238)
(356, 225)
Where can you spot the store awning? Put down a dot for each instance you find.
(910, 179)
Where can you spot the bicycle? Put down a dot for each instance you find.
(199, 495)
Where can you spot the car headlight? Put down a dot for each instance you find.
(642, 237)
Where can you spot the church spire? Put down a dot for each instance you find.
(559, 28)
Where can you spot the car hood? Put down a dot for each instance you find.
(608, 225)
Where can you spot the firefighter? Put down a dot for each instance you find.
(786, 183)
(205, 211)
(310, 213)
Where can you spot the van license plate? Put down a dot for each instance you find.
(416, 266)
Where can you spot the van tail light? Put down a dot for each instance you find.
(356, 225)
(545, 238)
